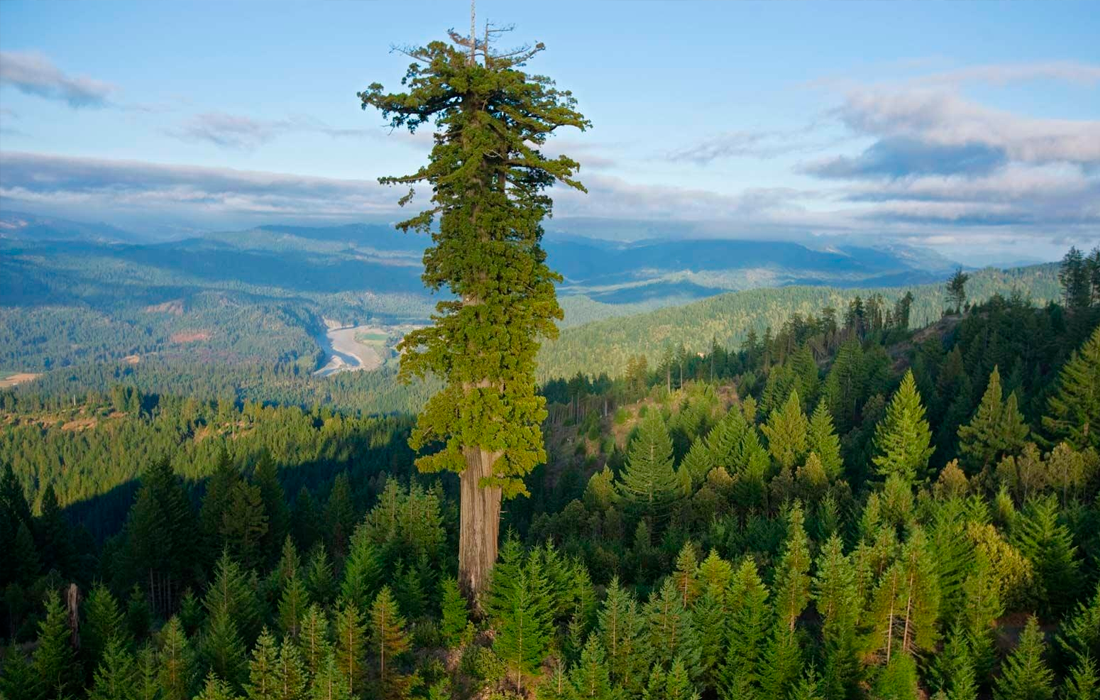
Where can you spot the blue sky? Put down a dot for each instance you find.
(970, 127)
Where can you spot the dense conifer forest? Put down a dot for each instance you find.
(840, 507)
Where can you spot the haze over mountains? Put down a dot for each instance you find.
(378, 258)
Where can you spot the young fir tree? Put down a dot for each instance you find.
(648, 484)
(822, 440)
(903, 440)
(620, 633)
(177, 664)
(787, 430)
(215, 688)
(1073, 411)
(666, 620)
(103, 621)
(262, 683)
(328, 682)
(291, 677)
(313, 638)
(837, 601)
(1049, 546)
(388, 642)
(589, 678)
(1083, 681)
(488, 178)
(524, 628)
(792, 594)
(454, 615)
(1024, 675)
(996, 429)
(116, 676)
(362, 570)
(274, 505)
(743, 670)
(54, 661)
(351, 645)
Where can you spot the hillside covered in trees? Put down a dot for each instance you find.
(840, 507)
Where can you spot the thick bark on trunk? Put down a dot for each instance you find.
(479, 530)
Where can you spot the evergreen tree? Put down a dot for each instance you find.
(1025, 675)
(743, 671)
(215, 688)
(996, 429)
(291, 677)
(1083, 682)
(1073, 411)
(620, 628)
(351, 643)
(524, 627)
(787, 430)
(649, 484)
(792, 593)
(55, 663)
(823, 441)
(903, 438)
(176, 675)
(103, 622)
(244, 525)
(665, 623)
(703, 639)
(388, 642)
(116, 675)
(328, 682)
(1049, 546)
(262, 669)
(837, 601)
(590, 679)
(453, 614)
(313, 638)
(275, 508)
(488, 177)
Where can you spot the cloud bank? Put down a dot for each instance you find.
(34, 74)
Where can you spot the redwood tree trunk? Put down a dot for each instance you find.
(479, 528)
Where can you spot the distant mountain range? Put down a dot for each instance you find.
(375, 257)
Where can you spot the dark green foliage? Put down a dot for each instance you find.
(1025, 675)
(55, 665)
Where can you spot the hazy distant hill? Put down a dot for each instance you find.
(606, 345)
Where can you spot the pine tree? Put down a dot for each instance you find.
(328, 682)
(822, 440)
(116, 675)
(792, 593)
(903, 438)
(620, 628)
(524, 627)
(215, 688)
(743, 670)
(590, 679)
(54, 661)
(388, 642)
(786, 431)
(665, 623)
(1073, 411)
(313, 638)
(837, 601)
(351, 643)
(176, 675)
(320, 582)
(488, 177)
(362, 570)
(1049, 546)
(648, 484)
(1083, 682)
(292, 604)
(897, 680)
(262, 669)
(291, 677)
(274, 505)
(1024, 675)
(454, 614)
(956, 668)
(996, 429)
(244, 525)
(103, 621)
(704, 636)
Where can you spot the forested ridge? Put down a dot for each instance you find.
(839, 507)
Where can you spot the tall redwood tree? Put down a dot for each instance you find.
(489, 179)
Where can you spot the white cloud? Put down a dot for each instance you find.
(34, 74)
